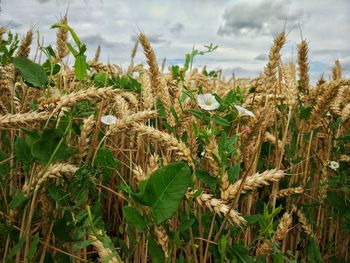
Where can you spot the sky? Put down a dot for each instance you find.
(243, 29)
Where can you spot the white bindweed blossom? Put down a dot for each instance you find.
(333, 165)
(109, 119)
(244, 112)
(207, 101)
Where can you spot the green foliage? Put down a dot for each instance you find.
(165, 190)
(50, 146)
(7, 48)
(80, 64)
(33, 73)
(134, 218)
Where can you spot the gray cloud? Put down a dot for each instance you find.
(177, 28)
(97, 39)
(153, 38)
(9, 23)
(261, 57)
(240, 72)
(332, 52)
(262, 18)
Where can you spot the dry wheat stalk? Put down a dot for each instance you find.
(304, 77)
(61, 40)
(2, 31)
(212, 150)
(162, 239)
(103, 252)
(53, 171)
(289, 191)
(219, 207)
(97, 54)
(157, 82)
(304, 222)
(129, 121)
(253, 182)
(166, 140)
(323, 101)
(83, 141)
(282, 229)
(24, 48)
(21, 120)
(337, 70)
(274, 59)
(72, 98)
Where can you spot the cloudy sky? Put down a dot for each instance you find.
(242, 29)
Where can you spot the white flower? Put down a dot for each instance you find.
(333, 165)
(244, 112)
(109, 119)
(207, 101)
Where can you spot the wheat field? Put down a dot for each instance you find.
(104, 164)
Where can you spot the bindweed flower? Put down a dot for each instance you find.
(333, 165)
(207, 101)
(244, 112)
(109, 119)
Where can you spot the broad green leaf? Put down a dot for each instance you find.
(165, 190)
(155, 251)
(134, 218)
(80, 67)
(220, 121)
(33, 247)
(43, 148)
(32, 73)
(22, 151)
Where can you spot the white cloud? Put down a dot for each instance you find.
(174, 27)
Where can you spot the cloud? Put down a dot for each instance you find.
(177, 28)
(153, 38)
(262, 18)
(240, 72)
(345, 62)
(261, 57)
(97, 39)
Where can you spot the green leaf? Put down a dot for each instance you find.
(134, 218)
(82, 244)
(32, 73)
(165, 190)
(18, 200)
(80, 67)
(221, 121)
(5, 167)
(206, 178)
(58, 194)
(313, 252)
(22, 151)
(55, 68)
(33, 247)
(72, 32)
(43, 148)
(155, 251)
(62, 229)
(101, 79)
(15, 249)
(233, 173)
(196, 113)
